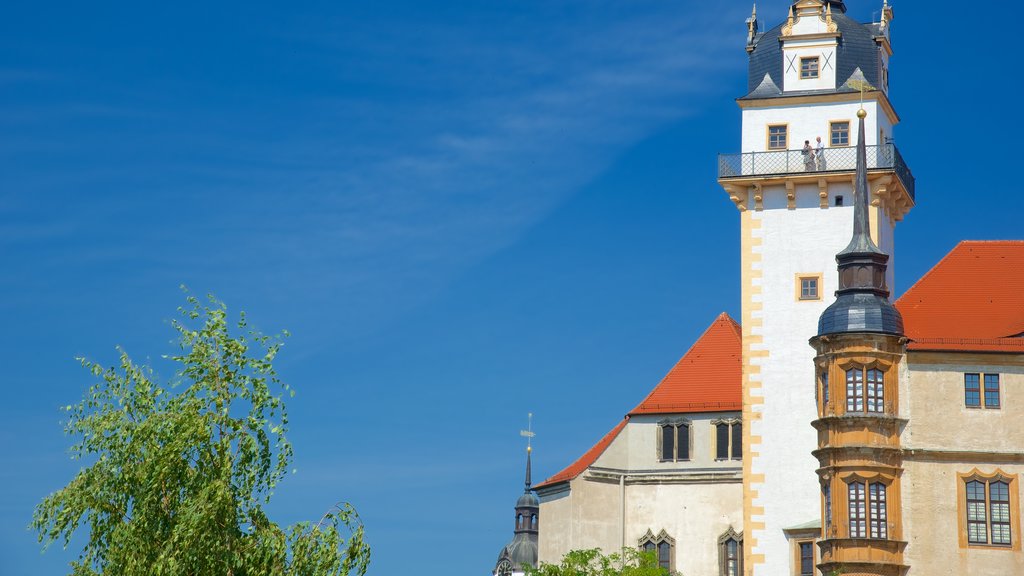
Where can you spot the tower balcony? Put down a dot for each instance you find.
(891, 179)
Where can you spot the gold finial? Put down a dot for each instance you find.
(831, 26)
(787, 30)
(862, 113)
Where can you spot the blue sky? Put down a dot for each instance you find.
(463, 211)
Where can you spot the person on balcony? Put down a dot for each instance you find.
(819, 153)
(808, 154)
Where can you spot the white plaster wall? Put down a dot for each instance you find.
(808, 121)
(800, 241)
(556, 526)
(636, 448)
(695, 515)
(931, 524)
(793, 51)
(589, 513)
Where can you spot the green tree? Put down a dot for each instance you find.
(628, 562)
(175, 477)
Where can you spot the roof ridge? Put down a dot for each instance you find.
(589, 457)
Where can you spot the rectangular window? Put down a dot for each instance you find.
(977, 522)
(854, 390)
(737, 441)
(972, 390)
(991, 390)
(778, 137)
(876, 391)
(683, 442)
(668, 442)
(857, 510)
(808, 288)
(839, 133)
(879, 527)
(824, 387)
(722, 442)
(675, 442)
(807, 559)
(809, 68)
(826, 493)
(999, 508)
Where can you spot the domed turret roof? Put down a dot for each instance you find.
(857, 48)
(528, 500)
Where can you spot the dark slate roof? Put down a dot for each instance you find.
(861, 313)
(857, 49)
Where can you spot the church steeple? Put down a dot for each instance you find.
(862, 301)
(523, 548)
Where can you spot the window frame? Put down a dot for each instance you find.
(981, 392)
(662, 537)
(798, 286)
(800, 557)
(871, 512)
(728, 536)
(676, 425)
(832, 132)
(1011, 504)
(785, 137)
(806, 73)
(878, 401)
(733, 439)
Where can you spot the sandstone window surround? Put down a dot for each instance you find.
(989, 510)
(728, 439)
(730, 553)
(675, 441)
(662, 545)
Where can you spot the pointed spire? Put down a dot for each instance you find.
(528, 482)
(861, 241)
(862, 300)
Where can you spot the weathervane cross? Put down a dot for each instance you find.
(528, 433)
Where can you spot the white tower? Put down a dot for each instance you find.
(807, 79)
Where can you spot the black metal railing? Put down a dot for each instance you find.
(844, 159)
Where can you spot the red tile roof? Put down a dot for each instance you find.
(706, 379)
(577, 467)
(972, 300)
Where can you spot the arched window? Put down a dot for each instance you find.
(663, 547)
(730, 553)
(533, 521)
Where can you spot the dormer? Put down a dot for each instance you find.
(809, 40)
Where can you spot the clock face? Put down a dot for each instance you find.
(504, 568)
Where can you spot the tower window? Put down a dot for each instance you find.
(809, 68)
(839, 133)
(865, 390)
(973, 397)
(778, 137)
(808, 287)
(867, 509)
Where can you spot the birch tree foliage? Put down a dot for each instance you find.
(175, 477)
(592, 562)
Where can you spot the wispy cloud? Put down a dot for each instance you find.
(433, 146)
